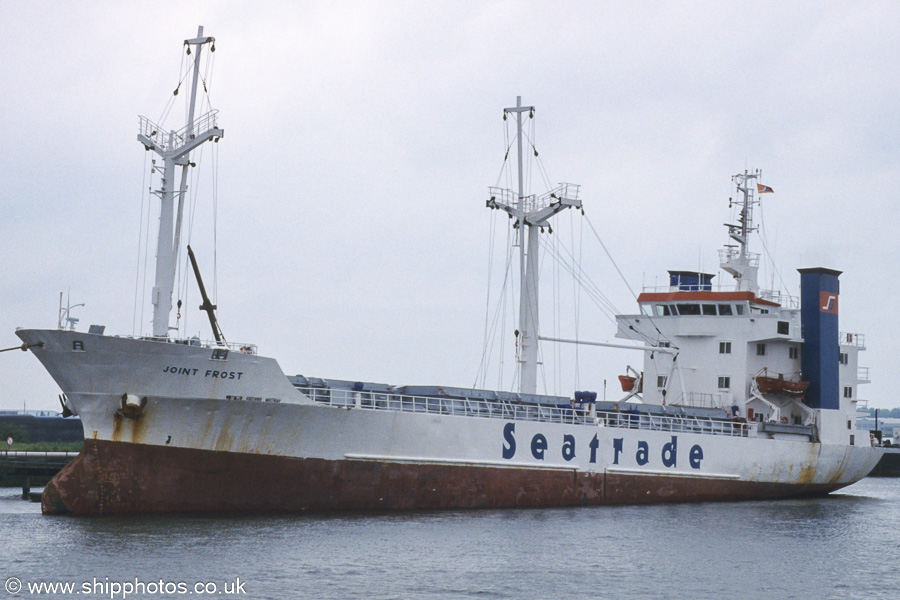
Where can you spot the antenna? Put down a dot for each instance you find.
(65, 313)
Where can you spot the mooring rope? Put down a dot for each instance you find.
(25, 346)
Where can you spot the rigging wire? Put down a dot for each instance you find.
(619, 271)
(146, 250)
(763, 237)
(487, 308)
(137, 269)
(576, 294)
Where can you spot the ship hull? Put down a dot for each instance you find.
(172, 427)
(118, 477)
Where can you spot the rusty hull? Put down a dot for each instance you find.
(118, 477)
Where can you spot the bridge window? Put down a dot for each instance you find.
(709, 309)
(688, 309)
(725, 309)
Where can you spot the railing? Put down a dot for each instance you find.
(201, 124)
(546, 413)
(241, 347)
(27, 454)
(167, 140)
(852, 339)
(154, 132)
(702, 400)
(734, 254)
(776, 296)
(564, 192)
(862, 375)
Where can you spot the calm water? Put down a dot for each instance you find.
(842, 546)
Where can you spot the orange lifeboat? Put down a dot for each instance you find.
(627, 382)
(780, 385)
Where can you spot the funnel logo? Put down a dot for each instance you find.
(828, 302)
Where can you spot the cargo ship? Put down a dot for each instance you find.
(743, 394)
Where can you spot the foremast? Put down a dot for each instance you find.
(531, 214)
(738, 261)
(174, 148)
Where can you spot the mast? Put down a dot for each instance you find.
(174, 148)
(738, 261)
(531, 214)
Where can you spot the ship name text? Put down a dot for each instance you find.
(540, 445)
(210, 373)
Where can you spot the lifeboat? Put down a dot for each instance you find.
(780, 385)
(627, 382)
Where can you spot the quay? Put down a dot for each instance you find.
(22, 466)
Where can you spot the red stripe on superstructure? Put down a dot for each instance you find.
(708, 296)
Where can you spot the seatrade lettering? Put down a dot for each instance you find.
(210, 373)
(644, 454)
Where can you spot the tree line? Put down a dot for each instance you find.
(885, 413)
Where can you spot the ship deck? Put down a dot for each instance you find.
(603, 414)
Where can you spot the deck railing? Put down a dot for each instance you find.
(515, 411)
(852, 339)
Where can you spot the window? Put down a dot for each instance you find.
(688, 309)
(784, 328)
(219, 354)
(739, 309)
(709, 309)
(725, 309)
(797, 420)
(78, 346)
(764, 311)
(661, 381)
(848, 391)
(852, 440)
(843, 358)
(793, 352)
(849, 424)
(665, 344)
(724, 383)
(724, 347)
(761, 350)
(662, 310)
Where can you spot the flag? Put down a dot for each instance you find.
(764, 189)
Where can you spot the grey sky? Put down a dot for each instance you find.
(360, 139)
